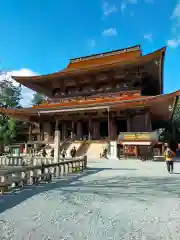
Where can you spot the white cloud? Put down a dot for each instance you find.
(173, 43)
(108, 9)
(26, 92)
(148, 37)
(176, 11)
(110, 32)
(123, 6)
(23, 72)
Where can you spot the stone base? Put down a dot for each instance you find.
(113, 150)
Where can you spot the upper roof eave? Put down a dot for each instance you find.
(70, 72)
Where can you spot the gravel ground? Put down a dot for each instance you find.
(111, 200)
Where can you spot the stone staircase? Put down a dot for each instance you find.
(95, 149)
(83, 148)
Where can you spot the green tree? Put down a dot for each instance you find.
(38, 99)
(10, 96)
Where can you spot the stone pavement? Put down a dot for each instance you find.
(111, 200)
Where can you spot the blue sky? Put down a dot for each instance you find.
(39, 36)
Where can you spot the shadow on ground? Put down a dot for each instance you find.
(14, 198)
(136, 188)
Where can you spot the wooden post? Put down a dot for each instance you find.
(109, 125)
(41, 132)
(30, 132)
(79, 130)
(72, 130)
(85, 161)
(64, 130)
(90, 128)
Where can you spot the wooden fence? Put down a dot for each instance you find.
(26, 175)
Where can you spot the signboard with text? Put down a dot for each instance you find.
(138, 136)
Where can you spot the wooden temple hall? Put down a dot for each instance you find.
(100, 96)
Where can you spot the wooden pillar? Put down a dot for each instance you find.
(30, 132)
(47, 131)
(56, 142)
(72, 130)
(95, 130)
(109, 124)
(148, 125)
(129, 124)
(64, 130)
(79, 130)
(90, 128)
(113, 128)
(41, 132)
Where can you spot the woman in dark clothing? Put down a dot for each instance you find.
(73, 152)
(52, 152)
(64, 153)
(44, 154)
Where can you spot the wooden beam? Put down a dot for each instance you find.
(56, 83)
(41, 89)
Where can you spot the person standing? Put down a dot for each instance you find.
(64, 154)
(44, 153)
(73, 152)
(52, 152)
(169, 155)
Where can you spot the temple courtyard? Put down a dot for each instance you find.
(112, 199)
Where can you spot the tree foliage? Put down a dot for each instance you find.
(38, 99)
(10, 96)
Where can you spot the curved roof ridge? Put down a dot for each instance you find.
(108, 53)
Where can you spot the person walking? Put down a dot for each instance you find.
(169, 155)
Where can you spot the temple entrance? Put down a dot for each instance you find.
(121, 126)
(104, 129)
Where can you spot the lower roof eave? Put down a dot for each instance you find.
(138, 103)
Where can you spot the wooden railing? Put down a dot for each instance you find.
(97, 100)
(80, 147)
(93, 95)
(64, 144)
(27, 175)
